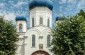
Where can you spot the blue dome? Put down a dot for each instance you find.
(60, 18)
(57, 18)
(39, 3)
(20, 18)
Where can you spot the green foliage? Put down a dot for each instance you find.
(69, 37)
(81, 13)
(8, 37)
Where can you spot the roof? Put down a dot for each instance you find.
(20, 18)
(41, 3)
(60, 18)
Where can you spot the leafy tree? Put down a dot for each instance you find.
(81, 13)
(8, 37)
(69, 37)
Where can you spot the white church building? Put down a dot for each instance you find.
(35, 40)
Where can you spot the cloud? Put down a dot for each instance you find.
(72, 1)
(20, 4)
(62, 1)
(2, 5)
(54, 0)
(81, 4)
(10, 17)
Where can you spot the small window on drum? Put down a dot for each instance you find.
(32, 22)
(48, 23)
(20, 28)
(41, 21)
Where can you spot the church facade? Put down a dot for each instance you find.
(35, 40)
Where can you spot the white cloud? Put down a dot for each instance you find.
(2, 4)
(54, 0)
(62, 1)
(81, 4)
(10, 17)
(20, 4)
(72, 1)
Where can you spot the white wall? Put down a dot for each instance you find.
(37, 32)
(23, 23)
(25, 44)
(38, 12)
(20, 44)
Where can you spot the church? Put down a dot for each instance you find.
(35, 40)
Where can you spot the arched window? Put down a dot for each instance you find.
(32, 22)
(20, 28)
(48, 40)
(48, 23)
(33, 40)
(41, 20)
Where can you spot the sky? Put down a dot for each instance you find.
(12, 8)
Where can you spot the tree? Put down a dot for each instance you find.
(8, 37)
(69, 37)
(81, 13)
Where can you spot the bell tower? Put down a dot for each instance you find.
(21, 24)
(40, 13)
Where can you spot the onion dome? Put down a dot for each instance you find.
(18, 18)
(60, 18)
(57, 18)
(41, 3)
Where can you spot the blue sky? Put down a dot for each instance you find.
(12, 8)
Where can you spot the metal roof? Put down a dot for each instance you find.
(41, 3)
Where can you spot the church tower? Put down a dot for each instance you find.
(37, 39)
(40, 13)
(21, 24)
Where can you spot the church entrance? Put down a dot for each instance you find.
(40, 53)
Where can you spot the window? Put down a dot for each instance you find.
(48, 23)
(48, 41)
(20, 28)
(33, 40)
(41, 20)
(32, 22)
